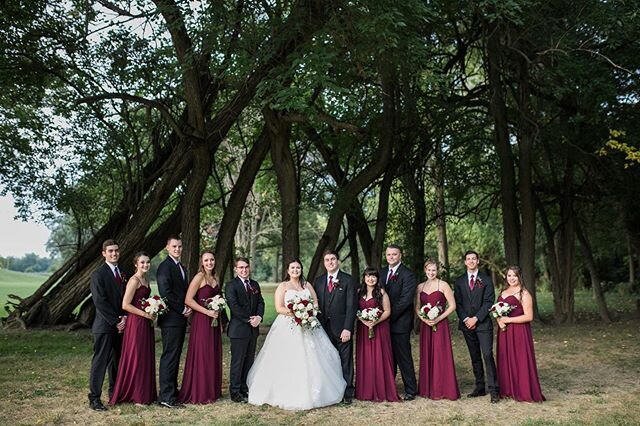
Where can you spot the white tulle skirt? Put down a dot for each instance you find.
(296, 369)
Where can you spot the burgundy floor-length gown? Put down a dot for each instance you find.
(202, 380)
(437, 377)
(375, 380)
(516, 362)
(136, 381)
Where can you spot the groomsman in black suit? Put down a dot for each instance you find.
(338, 303)
(107, 284)
(247, 309)
(400, 284)
(474, 294)
(172, 285)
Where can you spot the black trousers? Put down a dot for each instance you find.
(172, 341)
(106, 355)
(345, 350)
(480, 345)
(243, 352)
(403, 359)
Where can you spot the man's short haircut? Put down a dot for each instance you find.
(109, 242)
(468, 252)
(330, 251)
(394, 246)
(241, 259)
(173, 237)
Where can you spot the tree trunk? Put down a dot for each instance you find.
(233, 212)
(382, 216)
(288, 184)
(415, 188)
(498, 111)
(440, 210)
(526, 137)
(590, 262)
(631, 261)
(353, 250)
(196, 185)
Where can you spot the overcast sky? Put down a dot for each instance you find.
(19, 238)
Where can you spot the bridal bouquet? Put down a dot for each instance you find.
(370, 314)
(154, 305)
(305, 312)
(215, 303)
(501, 309)
(431, 312)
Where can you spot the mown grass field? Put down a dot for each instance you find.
(589, 371)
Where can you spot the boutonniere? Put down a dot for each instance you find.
(479, 283)
(393, 277)
(336, 284)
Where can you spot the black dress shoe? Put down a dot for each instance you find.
(238, 397)
(170, 404)
(97, 406)
(476, 393)
(347, 400)
(409, 397)
(495, 398)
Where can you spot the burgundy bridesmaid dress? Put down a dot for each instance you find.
(437, 377)
(375, 380)
(516, 363)
(136, 380)
(202, 380)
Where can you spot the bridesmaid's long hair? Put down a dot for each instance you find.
(516, 270)
(377, 290)
(201, 266)
(288, 278)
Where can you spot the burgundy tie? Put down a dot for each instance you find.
(472, 282)
(118, 275)
(247, 286)
(330, 284)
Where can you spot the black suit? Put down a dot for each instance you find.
(338, 312)
(173, 324)
(243, 304)
(476, 303)
(106, 294)
(402, 292)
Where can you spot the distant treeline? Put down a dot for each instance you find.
(30, 262)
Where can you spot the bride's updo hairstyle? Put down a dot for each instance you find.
(288, 278)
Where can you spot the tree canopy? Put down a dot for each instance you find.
(280, 129)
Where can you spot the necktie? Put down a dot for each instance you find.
(116, 271)
(247, 286)
(389, 278)
(330, 286)
(472, 282)
(181, 270)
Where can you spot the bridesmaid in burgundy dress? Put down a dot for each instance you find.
(517, 371)
(375, 379)
(437, 378)
(202, 380)
(136, 381)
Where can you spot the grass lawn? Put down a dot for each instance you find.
(19, 283)
(589, 371)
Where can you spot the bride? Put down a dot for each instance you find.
(296, 369)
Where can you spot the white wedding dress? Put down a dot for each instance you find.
(296, 369)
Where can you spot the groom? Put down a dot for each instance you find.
(338, 303)
(247, 309)
(474, 294)
(172, 285)
(400, 284)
